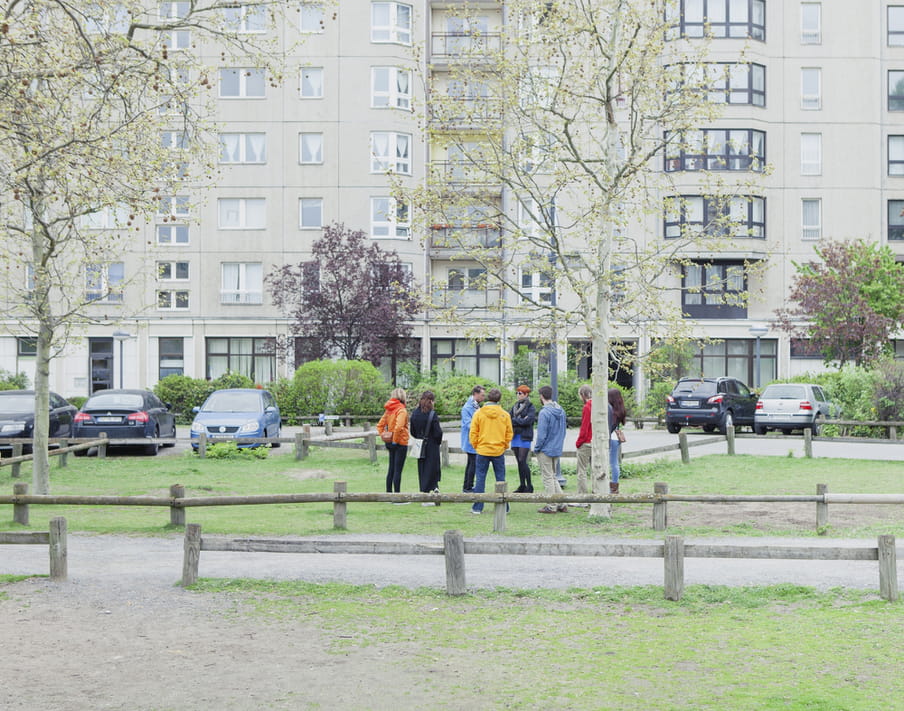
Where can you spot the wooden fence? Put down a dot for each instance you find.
(453, 547)
(55, 539)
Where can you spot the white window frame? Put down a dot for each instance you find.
(389, 218)
(394, 97)
(317, 159)
(175, 39)
(177, 206)
(172, 230)
(813, 230)
(176, 300)
(390, 161)
(244, 292)
(246, 19)
(895, 155)
(392, 32)
(318, 90)
(245, 210)
(305, 205)
(105, 289)
(310, 15)
(244, 74)
(811, 24)
(810, 102)
(173, 267)
(111, 217)
(895, 35)
(811, 154)
(239, 154)
(536, 291)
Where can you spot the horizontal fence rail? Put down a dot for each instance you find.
(55, 539)
(454, 547)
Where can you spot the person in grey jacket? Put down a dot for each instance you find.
(548, 443)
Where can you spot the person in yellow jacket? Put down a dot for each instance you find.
(395, 420)
(491, 434)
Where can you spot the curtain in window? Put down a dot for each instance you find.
(256, 148)
(403, 79)
(312, 82)
(229, 147)
(692, 280)
(256, 213)
(402, 152)
(810, 218)
(232, 282)
(229, 212)
(380, 150)
(311, 148)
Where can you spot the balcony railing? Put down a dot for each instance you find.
(464, 111)
(460, 172)
(446, 298)
(449, 46)
(461, 238)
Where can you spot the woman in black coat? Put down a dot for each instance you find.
(524, 415)
(425, 425)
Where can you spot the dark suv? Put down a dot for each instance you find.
(709, 403)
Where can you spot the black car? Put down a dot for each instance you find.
(17, 416)
(125, 414)
(710, 403)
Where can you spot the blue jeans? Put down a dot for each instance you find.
(480, 473)
(614, 467)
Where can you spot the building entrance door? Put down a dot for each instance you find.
(100, 354)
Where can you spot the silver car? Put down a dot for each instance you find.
(793, 406)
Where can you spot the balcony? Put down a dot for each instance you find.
(460, 112)
(472, 299)
(450, 240)
(463, 174)
(450, 47)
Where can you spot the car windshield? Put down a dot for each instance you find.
(784, 392)
(233, 402)
(17, 403)
(695, 387)
(115, 400)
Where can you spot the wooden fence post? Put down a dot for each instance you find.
(454, 553)
(62, 457)
(192, 554)
(888, 568)
(328, 427)
(339, 506)
(808, 443)
(729, 438)
(58, 549)
(660, 508)
(177, 513)
(499, 510)
(20, 511)
(102, 447)
(682, 445)
(892, 432)
(822, 510)
(348, 419)
(299, 436)
(202, 444)
(371, 441)
(444, 453)
(673, 557)
(16, 468)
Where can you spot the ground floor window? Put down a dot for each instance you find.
(171, 356)
(404, 350)
(465, 357)
(736, 358)
(252, 357)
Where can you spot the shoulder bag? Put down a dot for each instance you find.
(416, 447)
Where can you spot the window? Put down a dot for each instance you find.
(172, 356)
(720, 18)
(243, 147)
(465, 357)
(105, 20)
(242, 83)
(242, 283)
(390, 152)
(242, 213)
(810, 218)
(536, 287)
(736, 358)
(172, 300)
(389, 218)
(173, 206)
(736, 217)
(251, 357)
(896, 90)
(811, 88)
(311, 86)
(107, 218)
(811, 154)
(310, 148)
(896, 25)
(804, 348)
(103, 282)
(728, 83)
(470, 278)
(174, 12)
(713, 290)
(895, 219)
(896, 155)
(390, 22)
(310, 213)
(246, 19)
(310, 17)
(712, 149)
(172, 234)
(27, 346)
(172, 271)
(390, 87)
(810, 23)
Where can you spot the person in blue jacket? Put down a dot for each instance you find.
(478, 393)
(548, 443)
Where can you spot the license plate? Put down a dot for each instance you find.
(690, 403)
(221, 436)
(109, 419)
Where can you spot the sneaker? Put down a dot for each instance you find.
(547, 510)
(428, 503)
(563, 508)
(476, 513)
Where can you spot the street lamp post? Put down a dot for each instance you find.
(121, 337)
(758, 332)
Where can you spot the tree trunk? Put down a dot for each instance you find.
(41, 463)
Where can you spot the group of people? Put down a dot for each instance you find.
(487, 431)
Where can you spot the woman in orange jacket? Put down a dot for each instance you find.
(395, 420)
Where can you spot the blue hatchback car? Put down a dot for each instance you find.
(237, 413)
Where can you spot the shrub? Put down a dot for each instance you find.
(654, 403)
(231, 380)
(284, 392)
(339, 386)
(230, 450)
(9, 381)
(77, 401)
(888, 390)
(183, 393)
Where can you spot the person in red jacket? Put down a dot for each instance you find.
(395, 420)
(583, 443)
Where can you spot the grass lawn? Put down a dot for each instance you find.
(281, 473)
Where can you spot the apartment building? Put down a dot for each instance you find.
(816, 112)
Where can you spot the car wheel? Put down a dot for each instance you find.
(759, 429)
(786, 432)
(709, 428)
(173, 435)
(274, 445)
(673, 428)
(80, 452)
(151, 449)
(727, 422)
(816, 427)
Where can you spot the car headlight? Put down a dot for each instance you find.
(12, 427)
(197, 427)
(252, 426)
